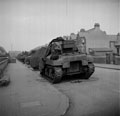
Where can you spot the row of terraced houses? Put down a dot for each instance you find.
(105, 48)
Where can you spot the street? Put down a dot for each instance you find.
(98, 96)
(29, 94)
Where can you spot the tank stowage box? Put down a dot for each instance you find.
(66, 57)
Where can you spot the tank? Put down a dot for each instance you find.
(21, 57)
(27, 59)
(66, 57)
(35, 56)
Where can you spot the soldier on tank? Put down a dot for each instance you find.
(55, 50)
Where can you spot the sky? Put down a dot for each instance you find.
(26, 24)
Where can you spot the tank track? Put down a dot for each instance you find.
(88, 71)
(54, 74)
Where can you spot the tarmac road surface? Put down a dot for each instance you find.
(27, 95)
(98, 96)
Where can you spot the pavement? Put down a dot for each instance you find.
(28, 94)
(108, 66)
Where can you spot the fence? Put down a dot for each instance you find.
(116, 60)
(99, 59)
(3, 64)
(108, 59)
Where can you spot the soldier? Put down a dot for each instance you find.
(56, 50)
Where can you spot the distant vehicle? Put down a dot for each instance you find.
(66, 57)
(21, 57)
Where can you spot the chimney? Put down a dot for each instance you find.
(72, 36)
(97, 26)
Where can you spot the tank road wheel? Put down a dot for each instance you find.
(46, 71)
(56, 74)
(88, 71)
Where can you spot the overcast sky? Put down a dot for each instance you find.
(26, 24)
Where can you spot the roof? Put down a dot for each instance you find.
(89, 30)
(101, 49)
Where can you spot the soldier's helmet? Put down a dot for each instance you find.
(56, 46)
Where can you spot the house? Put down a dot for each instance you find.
(96, 38)
(115, 46)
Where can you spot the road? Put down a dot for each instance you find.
(29, 95)
(98, 96)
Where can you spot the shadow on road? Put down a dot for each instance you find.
(69, 79)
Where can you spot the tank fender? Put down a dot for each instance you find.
(66, 64)
(89, 58)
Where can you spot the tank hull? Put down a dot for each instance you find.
(68, 65)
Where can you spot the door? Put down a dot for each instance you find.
(108, 61)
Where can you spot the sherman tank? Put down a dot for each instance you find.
(21, 57)
(66, 57)
(27, 59)
(35, 57)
